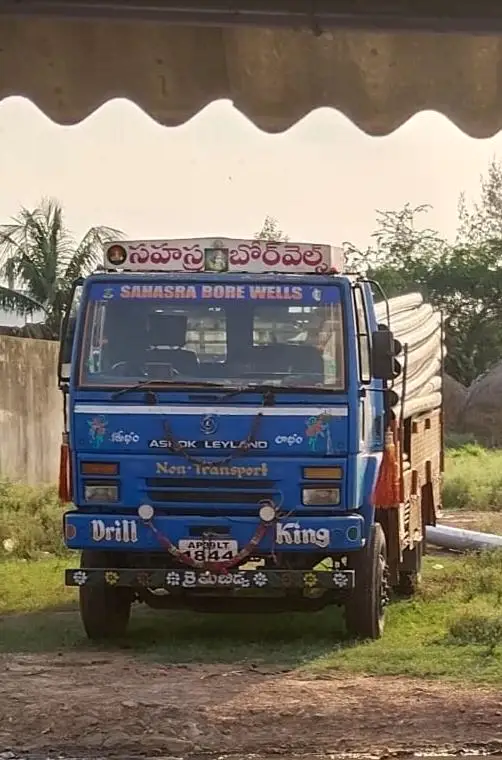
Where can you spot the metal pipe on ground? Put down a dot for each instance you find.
(460, 539)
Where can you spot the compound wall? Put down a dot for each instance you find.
(31, 416)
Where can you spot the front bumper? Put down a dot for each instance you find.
(178, 581)
(127, 532)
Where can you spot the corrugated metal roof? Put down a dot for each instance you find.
(276, 75)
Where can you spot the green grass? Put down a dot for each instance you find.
(30, 521)
(34, 586)
(452, 629)
(473, 478)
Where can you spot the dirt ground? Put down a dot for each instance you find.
(115, 706)
(486, 522)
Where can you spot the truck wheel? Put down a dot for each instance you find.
(104, 610)
(365, 609)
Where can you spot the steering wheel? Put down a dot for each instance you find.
(167, 369)
(123, 367)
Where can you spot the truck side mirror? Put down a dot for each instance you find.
(384, 350)
(67, 334)
(65, 349)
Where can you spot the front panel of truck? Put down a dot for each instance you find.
(214, 422)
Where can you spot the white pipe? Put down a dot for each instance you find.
(421, 332)
(419, 405)
(460, 539)
(407, 321)
(419, 371)
(421, 354)
(423, 385)
(398, 303)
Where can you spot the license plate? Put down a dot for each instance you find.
(216, 550)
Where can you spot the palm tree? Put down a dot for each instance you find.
(40, 259)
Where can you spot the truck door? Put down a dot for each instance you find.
(366, 406)
(370, 400)
(67, 333)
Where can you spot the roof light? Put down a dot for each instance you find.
(222, 255)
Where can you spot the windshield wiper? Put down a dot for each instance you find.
(273, 389)
(145, 384)
(305, 388)
(229, 391)
(250, 388)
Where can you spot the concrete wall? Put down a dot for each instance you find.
(31, 417)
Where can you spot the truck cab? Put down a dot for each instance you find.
(226, 417)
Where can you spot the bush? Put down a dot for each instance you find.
(30, 521)
(455, 441)
(473, 478)
(481, 628)
(483, 571)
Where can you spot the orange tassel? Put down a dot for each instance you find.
(388, 486)
(64, 471)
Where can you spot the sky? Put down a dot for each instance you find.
(219, 175)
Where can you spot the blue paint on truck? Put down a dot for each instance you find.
(225, 435)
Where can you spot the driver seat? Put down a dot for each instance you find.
(287, 358)
(167, 338)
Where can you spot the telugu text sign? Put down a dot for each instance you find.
(224, 255)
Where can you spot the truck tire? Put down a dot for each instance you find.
(104, 610)
(365, 608)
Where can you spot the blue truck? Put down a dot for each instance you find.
(232, 437)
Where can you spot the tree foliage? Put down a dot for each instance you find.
(271, 231)
(40, 259)
(463, 279)
(483, 220)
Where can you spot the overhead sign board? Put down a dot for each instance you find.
(222, 255)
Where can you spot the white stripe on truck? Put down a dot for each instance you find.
(267, 411)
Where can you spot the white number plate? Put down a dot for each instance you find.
(218, 550)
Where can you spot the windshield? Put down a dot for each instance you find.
(233, 334)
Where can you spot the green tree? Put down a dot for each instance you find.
(40, 259)
(271, 231)
(402, 250)
(464, 280)
(482, 220)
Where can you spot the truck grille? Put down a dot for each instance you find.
(189, 493)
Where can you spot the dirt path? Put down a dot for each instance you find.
(489, 522)
(117, 706)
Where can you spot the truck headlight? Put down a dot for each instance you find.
(321, 497)
(101, 492)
